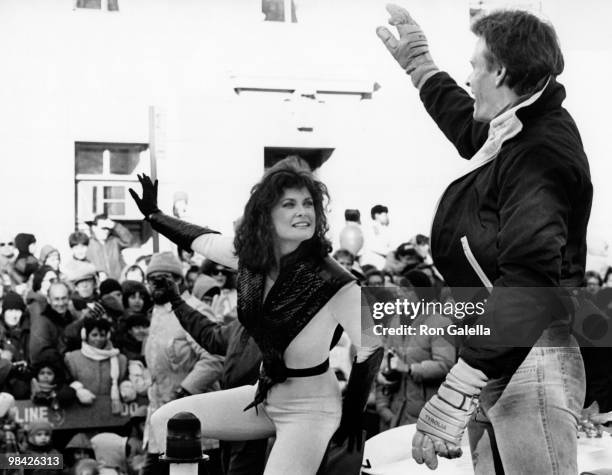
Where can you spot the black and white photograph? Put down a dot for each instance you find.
(305, 237)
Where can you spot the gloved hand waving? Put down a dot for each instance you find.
(412, 50)
(148, 203)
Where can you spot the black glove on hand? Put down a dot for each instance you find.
(179, 232)
(164, 289)
(355, 400)
(148, 203)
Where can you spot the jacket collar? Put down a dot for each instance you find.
(62, 320)
(509, 123)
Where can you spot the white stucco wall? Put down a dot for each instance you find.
(85, 75)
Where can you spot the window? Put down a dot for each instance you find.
(95, 158)
(103, 174)
(279, 10)
(315, 157)
(110, 5)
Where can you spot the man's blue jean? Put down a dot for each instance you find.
(528, 424)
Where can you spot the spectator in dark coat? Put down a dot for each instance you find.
(14, 340)
(47, 337)
(49, 387)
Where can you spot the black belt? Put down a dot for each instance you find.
(265, 383)
(312, 371)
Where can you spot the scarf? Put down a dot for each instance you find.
(108, 353)
(305, 283)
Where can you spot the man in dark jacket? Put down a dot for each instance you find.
(47, 334)
(514, 223)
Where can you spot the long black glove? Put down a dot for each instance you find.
(148, 203)
(355, 400)
(179, 232)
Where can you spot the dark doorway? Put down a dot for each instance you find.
(315, 157)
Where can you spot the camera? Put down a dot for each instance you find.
(20, 366)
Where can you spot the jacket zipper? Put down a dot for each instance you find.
(475, 265)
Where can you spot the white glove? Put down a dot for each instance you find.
(127, 391)
(84, 395)
(444, 417)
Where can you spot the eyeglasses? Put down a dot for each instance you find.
(218, 270)
(2, 244)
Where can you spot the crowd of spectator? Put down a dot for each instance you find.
(78, 327)
(74, 329)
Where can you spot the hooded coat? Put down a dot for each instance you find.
(79, 442)
(110, 453)
(25, 264)
(47, 337)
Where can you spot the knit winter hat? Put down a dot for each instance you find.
(46, 251)
(39, 425)
(165, 262)
(108, 286)
(7, 402)
(12, 301)
(83, 272)
(203, 285)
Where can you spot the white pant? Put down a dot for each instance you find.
(303, 413)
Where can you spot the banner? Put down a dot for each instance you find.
(78, 416)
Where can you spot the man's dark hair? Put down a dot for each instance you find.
(525, 45)
(78, 237)
(254, 240)
(377, 209)
(352, 215)
(102, 324)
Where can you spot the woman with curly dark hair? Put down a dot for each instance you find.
(292, 299)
